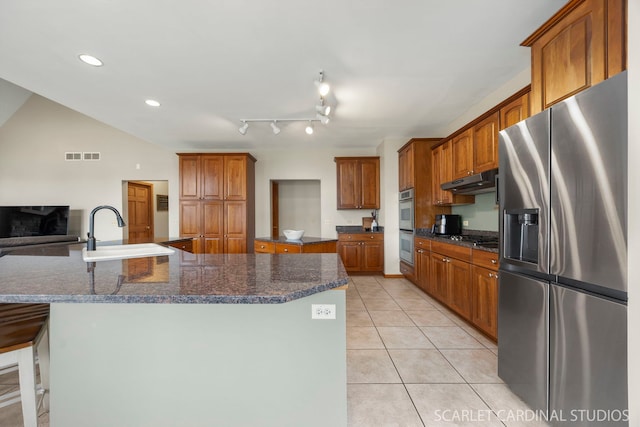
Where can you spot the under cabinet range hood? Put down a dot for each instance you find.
(483, 182)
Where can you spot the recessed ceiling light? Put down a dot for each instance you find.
(152, 103)
(91, 60)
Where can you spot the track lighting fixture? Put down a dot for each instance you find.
(244, 127)
(321, 112)
(323, 87)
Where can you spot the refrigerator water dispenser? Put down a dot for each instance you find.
(521, 235)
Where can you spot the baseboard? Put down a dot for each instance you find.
(393, 276)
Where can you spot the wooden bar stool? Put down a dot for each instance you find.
(23, 335)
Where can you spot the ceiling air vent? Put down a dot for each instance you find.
(72, 156)
(90, 156)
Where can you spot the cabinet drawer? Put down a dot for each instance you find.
(486, 259)
(285, 248)
(261, 247)
(421, 243)
(406, 269)
(360, 237)
(185, 245)
(454, 251)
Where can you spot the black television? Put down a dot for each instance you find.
(31, 221)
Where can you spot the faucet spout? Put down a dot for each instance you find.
(91, 239)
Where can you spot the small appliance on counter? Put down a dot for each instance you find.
(447, 224)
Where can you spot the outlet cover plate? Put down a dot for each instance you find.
(323, 311)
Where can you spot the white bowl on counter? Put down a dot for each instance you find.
(293, 234)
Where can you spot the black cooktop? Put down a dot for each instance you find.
(476, 239)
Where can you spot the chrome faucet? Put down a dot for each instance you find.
(91, 241)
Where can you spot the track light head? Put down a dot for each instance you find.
(274, 127)
(323, 109)
(323, 87)
(309, 128)
(323, 119)
(243, 128)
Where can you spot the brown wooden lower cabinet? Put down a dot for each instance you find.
(361, 252)
(267, 247)
(485, 300)
(463, 279)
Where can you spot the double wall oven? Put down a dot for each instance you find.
(406, 226)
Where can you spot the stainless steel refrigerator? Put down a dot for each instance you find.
(562, 317)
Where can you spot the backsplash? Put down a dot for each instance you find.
(482, 215)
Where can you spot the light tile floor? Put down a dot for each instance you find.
(413, 362)
(410, 362)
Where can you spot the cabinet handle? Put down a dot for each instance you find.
(496, 275)
(371, 237)
(493, 261)
(286, 250)
(490, 274)
(444, 260)
(261, 246)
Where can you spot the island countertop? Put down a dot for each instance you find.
(57, 274)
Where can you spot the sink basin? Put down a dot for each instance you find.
(138, 250)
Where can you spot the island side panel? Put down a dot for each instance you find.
(198, 365)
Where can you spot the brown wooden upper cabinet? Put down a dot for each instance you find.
(514, 112)
(461, 155)
(217, 207)
(406, 167)
(485, 144)
(476, 149)
(582, 44)
(441, 172)
(358, 182)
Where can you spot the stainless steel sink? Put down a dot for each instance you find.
(138, 250)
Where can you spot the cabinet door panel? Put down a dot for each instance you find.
(235, 219)
(235, 173)
(213, 245)
(514, 112)
(369, 183)
(213, 218)
(461, 155)
(485, 300)
(485, 144)
(347, 176)
(235, 245)
(438, 277)
(372, 256)
(190, 219)
(459, 277)
(350, 253)
(423, 263)
(212, 173)
(189, 177)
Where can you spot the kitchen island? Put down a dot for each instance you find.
(188, 339)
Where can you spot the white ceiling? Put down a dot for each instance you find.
(398, 69)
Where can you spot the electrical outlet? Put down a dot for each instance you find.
(465, 223)
(323, 311)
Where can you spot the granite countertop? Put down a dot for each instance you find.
(340, 229)
(57, 274)
(304, 241)
(427, 234)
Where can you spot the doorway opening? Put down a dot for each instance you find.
(145, 210)
(295, 205)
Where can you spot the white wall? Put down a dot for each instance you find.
(305, 164)
(299, 206)
(33, 170)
